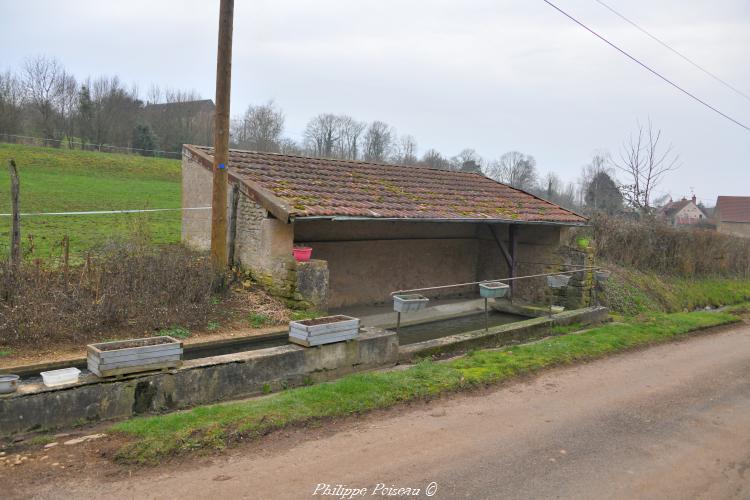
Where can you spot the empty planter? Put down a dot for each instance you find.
(302, 254)
(60, 377)
(122, 357)
(409, 303)
(493, 290)
(326, 330)
(558, 281)
(8, 383)
(602, 276)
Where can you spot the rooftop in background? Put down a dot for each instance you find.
(302, 187)
(205, 105)
(673, 207)
(733, 209)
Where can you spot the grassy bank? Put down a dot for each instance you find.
(631, 293)
(61, 180)
(217, 426)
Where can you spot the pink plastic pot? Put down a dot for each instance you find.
(302, 254)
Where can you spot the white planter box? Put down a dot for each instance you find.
(558, 281)
(63, 376)
(326, 330)
(493, 289)
(409, 303)
(122, 357)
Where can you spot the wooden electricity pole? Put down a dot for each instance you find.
(219, 254)
(15, 232)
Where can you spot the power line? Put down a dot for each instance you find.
(648, 68)
(105, 212)
(667, 46)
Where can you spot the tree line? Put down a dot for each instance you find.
(45, 100)
(261, 128)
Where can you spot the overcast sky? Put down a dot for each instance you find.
(494, 75)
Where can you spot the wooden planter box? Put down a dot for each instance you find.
(326, 330)
(493, 290)
(122, 357)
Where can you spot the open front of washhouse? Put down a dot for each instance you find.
(377, 229)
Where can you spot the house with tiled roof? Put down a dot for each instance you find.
(373, 228)
(732, 215)
(684, 212)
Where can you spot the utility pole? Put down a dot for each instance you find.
(219, 253)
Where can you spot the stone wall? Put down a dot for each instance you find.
(369, 259)
(741, 229)
(196, 192)
(200, 381)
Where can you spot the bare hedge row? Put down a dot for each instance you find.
(132, 286)
(656, 246)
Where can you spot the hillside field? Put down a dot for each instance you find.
(62, 180)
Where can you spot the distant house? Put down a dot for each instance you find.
(732, 215)
(684, 212)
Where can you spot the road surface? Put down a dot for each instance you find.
(671, 421)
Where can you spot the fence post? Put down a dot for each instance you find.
(15, 233)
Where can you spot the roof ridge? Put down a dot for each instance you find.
(342, 160)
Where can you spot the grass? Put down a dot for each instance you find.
(632, 293)
(257, 320)
(5, 352)
(41, 440)
(177, 332)
(217, 426)
(61, 180)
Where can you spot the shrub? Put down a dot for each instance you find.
(655, 246)
(133, 286)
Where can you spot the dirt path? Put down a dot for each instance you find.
(668, 422)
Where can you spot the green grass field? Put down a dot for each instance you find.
(60, 180)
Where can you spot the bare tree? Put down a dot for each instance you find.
(42, 89)
(68, 105)
(349, 136)
(515, 169)
(468, 160)
(378, 142)
(434, 159)
(645, 165)
(322, 134)
(260, 128)
(405, 151)
(11, 102)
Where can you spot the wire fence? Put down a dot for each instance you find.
(86, 146)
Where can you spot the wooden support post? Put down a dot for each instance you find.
(513, 251)
(15, 232)
(233, 222)
(66, 257)
(219, 254)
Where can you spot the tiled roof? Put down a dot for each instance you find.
(733, 209)
(673, 207)
(310, 187)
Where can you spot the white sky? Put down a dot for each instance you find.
(492, 75)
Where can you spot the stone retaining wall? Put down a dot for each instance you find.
(201, 381)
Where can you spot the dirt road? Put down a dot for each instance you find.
(668, 422)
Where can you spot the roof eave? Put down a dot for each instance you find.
(257, 193)
(337, 218)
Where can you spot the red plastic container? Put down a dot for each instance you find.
(302, 254)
